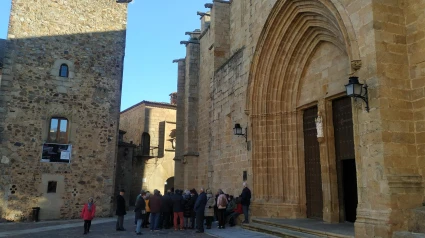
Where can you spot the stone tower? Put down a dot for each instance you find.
(59, 106)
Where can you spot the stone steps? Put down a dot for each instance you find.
(406, 234)
(276, 231)
(285, 230)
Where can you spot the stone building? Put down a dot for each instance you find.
(148, 130)
(59, 102)
(2, 51)
(278, 69)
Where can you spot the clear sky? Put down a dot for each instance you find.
(155, 29)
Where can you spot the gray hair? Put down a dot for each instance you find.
(245, 184)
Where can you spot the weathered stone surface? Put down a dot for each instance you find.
(262, 63)
(154, 170)
(89, 36)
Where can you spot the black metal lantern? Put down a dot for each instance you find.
(237, 130)
(356, 90)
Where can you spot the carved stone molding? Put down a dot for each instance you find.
(356, 64)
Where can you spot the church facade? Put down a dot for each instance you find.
(277, 70)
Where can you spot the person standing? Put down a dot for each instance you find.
(209, 209)
(140, 211)
(135, 215)
(155, 206)
(121, 211)
(148, 211)
(178, 209)
(200, 209)
(245, 201)
(166, 209)
(87, 214)
(194, 196)
(221, 205)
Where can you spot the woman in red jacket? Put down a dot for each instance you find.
(87, 214)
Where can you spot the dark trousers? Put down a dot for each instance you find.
(245, 212)
(232, 219)
(166, 220)
(209, 221)
(200, 221)
(192, 220)
(221, 218)
(87, 224)
(120, 222)
(146, 220)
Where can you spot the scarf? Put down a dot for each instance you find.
(90, 205)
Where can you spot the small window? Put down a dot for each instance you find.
(58, 130)
(146, 143)
(51, 186)
(64, 71)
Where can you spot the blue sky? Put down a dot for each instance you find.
(155, 29)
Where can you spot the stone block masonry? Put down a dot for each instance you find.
(85, 39)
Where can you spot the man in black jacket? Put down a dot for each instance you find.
(166, 209)
(200, 209)
(121, 211)
(245, 201)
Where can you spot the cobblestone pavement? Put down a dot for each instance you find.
(105, 227)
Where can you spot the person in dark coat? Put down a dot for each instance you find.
(121, 211)
(166, 209)
(194, 197)
(178, 209)
(245, 201)
(140, 211)
(200, 209)
(155, 206)
(188, 205)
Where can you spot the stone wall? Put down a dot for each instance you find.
(286, 56)
(89, 36)
(158, 119)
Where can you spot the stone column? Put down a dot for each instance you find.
(180, 122)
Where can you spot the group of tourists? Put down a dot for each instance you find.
(178, 209)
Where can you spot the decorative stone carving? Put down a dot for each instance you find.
(356, 64)
(319, 126)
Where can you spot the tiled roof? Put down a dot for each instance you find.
(153, 104)
(2, 51)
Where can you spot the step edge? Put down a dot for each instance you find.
(301, 229)
(276, 233)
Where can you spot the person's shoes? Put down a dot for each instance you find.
(222, 227)
(245, 222)
(219, 227)
(208, 227)
(121, 229)
(85, 233)
(139, 233)
(151, 230)
(199, 232)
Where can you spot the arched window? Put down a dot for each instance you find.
(58, 130)
(146, 143)
(64, 71)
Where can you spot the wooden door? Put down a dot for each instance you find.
(313, 175)
(345, 158)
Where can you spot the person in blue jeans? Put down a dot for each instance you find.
(155, 206)
(140, 212)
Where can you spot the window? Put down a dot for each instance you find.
(51, 186)
(146, 143)
(64, 71)
(58, 130)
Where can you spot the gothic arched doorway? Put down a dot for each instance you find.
(301, 62)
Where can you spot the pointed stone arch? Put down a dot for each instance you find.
(292, 33)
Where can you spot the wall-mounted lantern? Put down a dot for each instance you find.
(238, 131)
(356, 90)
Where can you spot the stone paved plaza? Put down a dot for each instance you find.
(105, 227)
